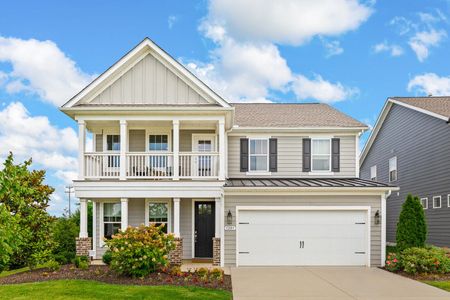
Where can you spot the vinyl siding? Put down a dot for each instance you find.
(99, 142)
(422, 146)
(136, 140)
(232, 201)
(149, 82)
(290, 157)
(186, 138)
(186, 226)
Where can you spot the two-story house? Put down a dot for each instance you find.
(410, 148)
(237, 184)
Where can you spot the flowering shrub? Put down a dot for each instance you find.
(425, 260)
(139, 251)
(392, 262)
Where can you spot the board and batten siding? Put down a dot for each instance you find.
(290, 157)
(232, 201)
(421, 144)
(149, 82)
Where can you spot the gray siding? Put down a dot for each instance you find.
(136, 140)
(422, 146)
(149, 82)
(290, 157)
(232, 201)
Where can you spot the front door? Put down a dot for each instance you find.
(204, 228)
(203, 164)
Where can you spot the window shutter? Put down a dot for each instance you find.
(244, 155)
(273, 152)
(306, 155)
(335, 154)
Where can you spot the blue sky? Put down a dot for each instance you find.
(348, 53)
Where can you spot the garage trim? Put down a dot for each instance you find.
(306, 208)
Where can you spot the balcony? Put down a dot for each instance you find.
(140, 150)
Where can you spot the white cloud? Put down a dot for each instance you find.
(41, 67)
(392, 49)
(333, 48)
(171, 20)
(320, 89)
(423, 40)
(288, 22)
(430, 84)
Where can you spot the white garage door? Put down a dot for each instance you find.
(302, 237)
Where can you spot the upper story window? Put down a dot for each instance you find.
(259, 155)
(424, 202)
(113, 142)
(321, 155)
(112, 219)
(393, 168)
(159, 142)
(373, 173)
(437, 202)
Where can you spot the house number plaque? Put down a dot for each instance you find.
(230, 228)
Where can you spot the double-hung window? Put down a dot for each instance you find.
(424, 202)
(113, 144)
(437, 202)
(158, 214)
(158, 142)
(321, 155)
(393, 169)
(259, 155)
(373, 173)
(112, 219)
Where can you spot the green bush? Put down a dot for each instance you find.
(139, 251)
(411, 226)
(79, 260)
(84, 265)
(107, 257)
(425, 260)
(393, 262)
(65, 231)
(53, 265)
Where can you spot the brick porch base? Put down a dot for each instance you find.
(176, 255)
(83, 245)
(216, 251)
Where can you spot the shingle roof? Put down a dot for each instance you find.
(291, 115)
(437, 105)
(304, 182)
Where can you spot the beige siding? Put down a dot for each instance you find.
(149, 82)
(290, 157)
(186, 226)
(136, 212)
(186, 138)
(136, 140)
(232, 201)
(99, 142)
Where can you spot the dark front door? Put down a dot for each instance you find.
(204, 228)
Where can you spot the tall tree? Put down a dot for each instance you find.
(411, 226)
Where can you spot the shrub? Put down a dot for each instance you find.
(216, 273)
(411, 226)
(393, 262)
(202, 273)
(139, 251)
(79, 260)
(425, 260)
(65, 230)
(53, 265)
(175, 271)
(107, 257)
(84, 265)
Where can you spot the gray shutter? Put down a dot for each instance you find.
(306, 155)
(335, 154)
(244, 155)
(273, 152)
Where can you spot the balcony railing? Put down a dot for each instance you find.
(151, 165)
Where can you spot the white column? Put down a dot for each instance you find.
(94, 226)
(176, 149)
(383, 229)
(218, 223)
(221, 150)
(124, 213)
(83, 218)
(81, 147)
(123, 149)
(176, 217)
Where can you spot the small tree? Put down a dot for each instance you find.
(411, 226)
(65, 230)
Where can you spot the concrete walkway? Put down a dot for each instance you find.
(327, 283)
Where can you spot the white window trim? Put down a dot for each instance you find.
(169, 211)
(206, 136)
(396, 169)
(448, 200)
(167, 132)
(440, 201)
(323, 172)
(426, 202)
(259, 172)
(374, 178)
(105, 133)
(102, 223)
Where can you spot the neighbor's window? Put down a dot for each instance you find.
(373, 173)
(113, 142)
(158, 213)
(424, 202)
(321, 154)
(393, 168)
(112, 219)
(158, 142)
(437, 202)
(259, 155)
(448, 200)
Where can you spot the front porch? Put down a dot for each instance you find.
(195, 222)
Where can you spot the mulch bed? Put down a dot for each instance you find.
(104, 274)
(423, 277)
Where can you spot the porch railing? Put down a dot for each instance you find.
(199, 164)
(102, 165)
(149, 165)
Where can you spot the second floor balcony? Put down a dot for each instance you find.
(164, 150)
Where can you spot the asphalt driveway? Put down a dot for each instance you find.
(327, 283)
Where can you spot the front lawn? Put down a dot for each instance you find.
(445, 285)
(85, 289)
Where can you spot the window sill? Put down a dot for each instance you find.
(321, 173)
(259, 173)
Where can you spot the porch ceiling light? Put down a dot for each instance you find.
(229, 218)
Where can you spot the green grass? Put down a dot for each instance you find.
(445, 285)
(84, 289)
(15, 271)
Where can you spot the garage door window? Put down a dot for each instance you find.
(321, 155)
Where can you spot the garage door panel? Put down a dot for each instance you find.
(277, 237)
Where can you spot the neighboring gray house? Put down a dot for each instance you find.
(410, 148)
(237, 184)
